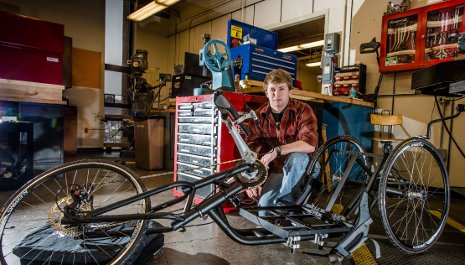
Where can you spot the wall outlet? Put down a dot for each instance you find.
(444, 100)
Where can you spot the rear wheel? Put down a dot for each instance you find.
(331, 160)
(31, 228)
(414, 196)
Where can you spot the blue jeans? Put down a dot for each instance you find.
(279, 188)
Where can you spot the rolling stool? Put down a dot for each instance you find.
(386, 121)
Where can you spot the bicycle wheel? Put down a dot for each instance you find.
(31, 231)
(414, 196)
(333, 158)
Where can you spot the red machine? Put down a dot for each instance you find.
(202, 140)
(31, 49)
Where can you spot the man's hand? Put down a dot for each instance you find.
(268, 157)
(254, 193)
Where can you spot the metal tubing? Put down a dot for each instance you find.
(141, 196)
(168, 203)
(192, 186)
(120, 218)
(234, 235)
(207, 205)
(341, 182)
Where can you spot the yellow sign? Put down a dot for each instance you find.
(236, 32)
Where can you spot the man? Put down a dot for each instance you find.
(286, 132)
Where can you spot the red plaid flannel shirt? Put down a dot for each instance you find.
(297, 123)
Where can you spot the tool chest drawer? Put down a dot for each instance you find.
(196, 139)
(196, 128)
(203, 143)
(197, 150)
(194, 170)
(255, 62)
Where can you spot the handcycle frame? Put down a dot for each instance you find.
(303, 221)
(269, 233)
(271, 226)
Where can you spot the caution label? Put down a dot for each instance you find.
(236, 32)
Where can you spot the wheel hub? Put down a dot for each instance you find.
(419, 195)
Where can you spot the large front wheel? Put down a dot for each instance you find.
(31, 227)
(414, 196)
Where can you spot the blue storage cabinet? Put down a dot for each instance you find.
(238, 32)
(348, 119)
(257, 61)
(48, 134)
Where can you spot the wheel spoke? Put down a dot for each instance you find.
(32, 233)
(420, 177)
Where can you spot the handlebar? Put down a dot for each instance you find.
(225, 107)
(223, 104)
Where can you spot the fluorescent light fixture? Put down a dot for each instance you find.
(315, 64)
(150, 9)
(303, 46)
(312, 44)
(290, 49)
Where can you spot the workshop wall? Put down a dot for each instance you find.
(358, 22)
(83, 21)
(257, 13)
(395, 92)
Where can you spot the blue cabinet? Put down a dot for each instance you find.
(348, 119)
(256, 61)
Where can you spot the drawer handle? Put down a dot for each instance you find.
(195, 161)
(183, 139)
(198, 171)
(184, 150)
(196, 130)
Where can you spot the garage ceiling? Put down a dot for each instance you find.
(189, 13)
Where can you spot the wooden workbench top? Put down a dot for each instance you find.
(254, 87)
(313, 96)
(25, 91)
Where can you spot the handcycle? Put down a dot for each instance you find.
(80, 203)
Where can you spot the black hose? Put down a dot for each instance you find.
(445, 126)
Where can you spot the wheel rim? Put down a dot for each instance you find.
(415, 197)
(36, 213)
(334, 159)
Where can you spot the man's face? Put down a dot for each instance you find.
(278, 95)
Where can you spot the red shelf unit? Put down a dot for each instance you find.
(421, 37)
(202, 139)
(31, 49)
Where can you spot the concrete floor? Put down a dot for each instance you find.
(204, 243)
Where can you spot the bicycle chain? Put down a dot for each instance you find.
(192, 169)
(260, 170)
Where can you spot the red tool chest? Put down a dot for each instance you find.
(201, 139)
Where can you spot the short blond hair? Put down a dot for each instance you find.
(277, 76)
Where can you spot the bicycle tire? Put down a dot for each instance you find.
(34, 211)
(414, 186)
(333, 162)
